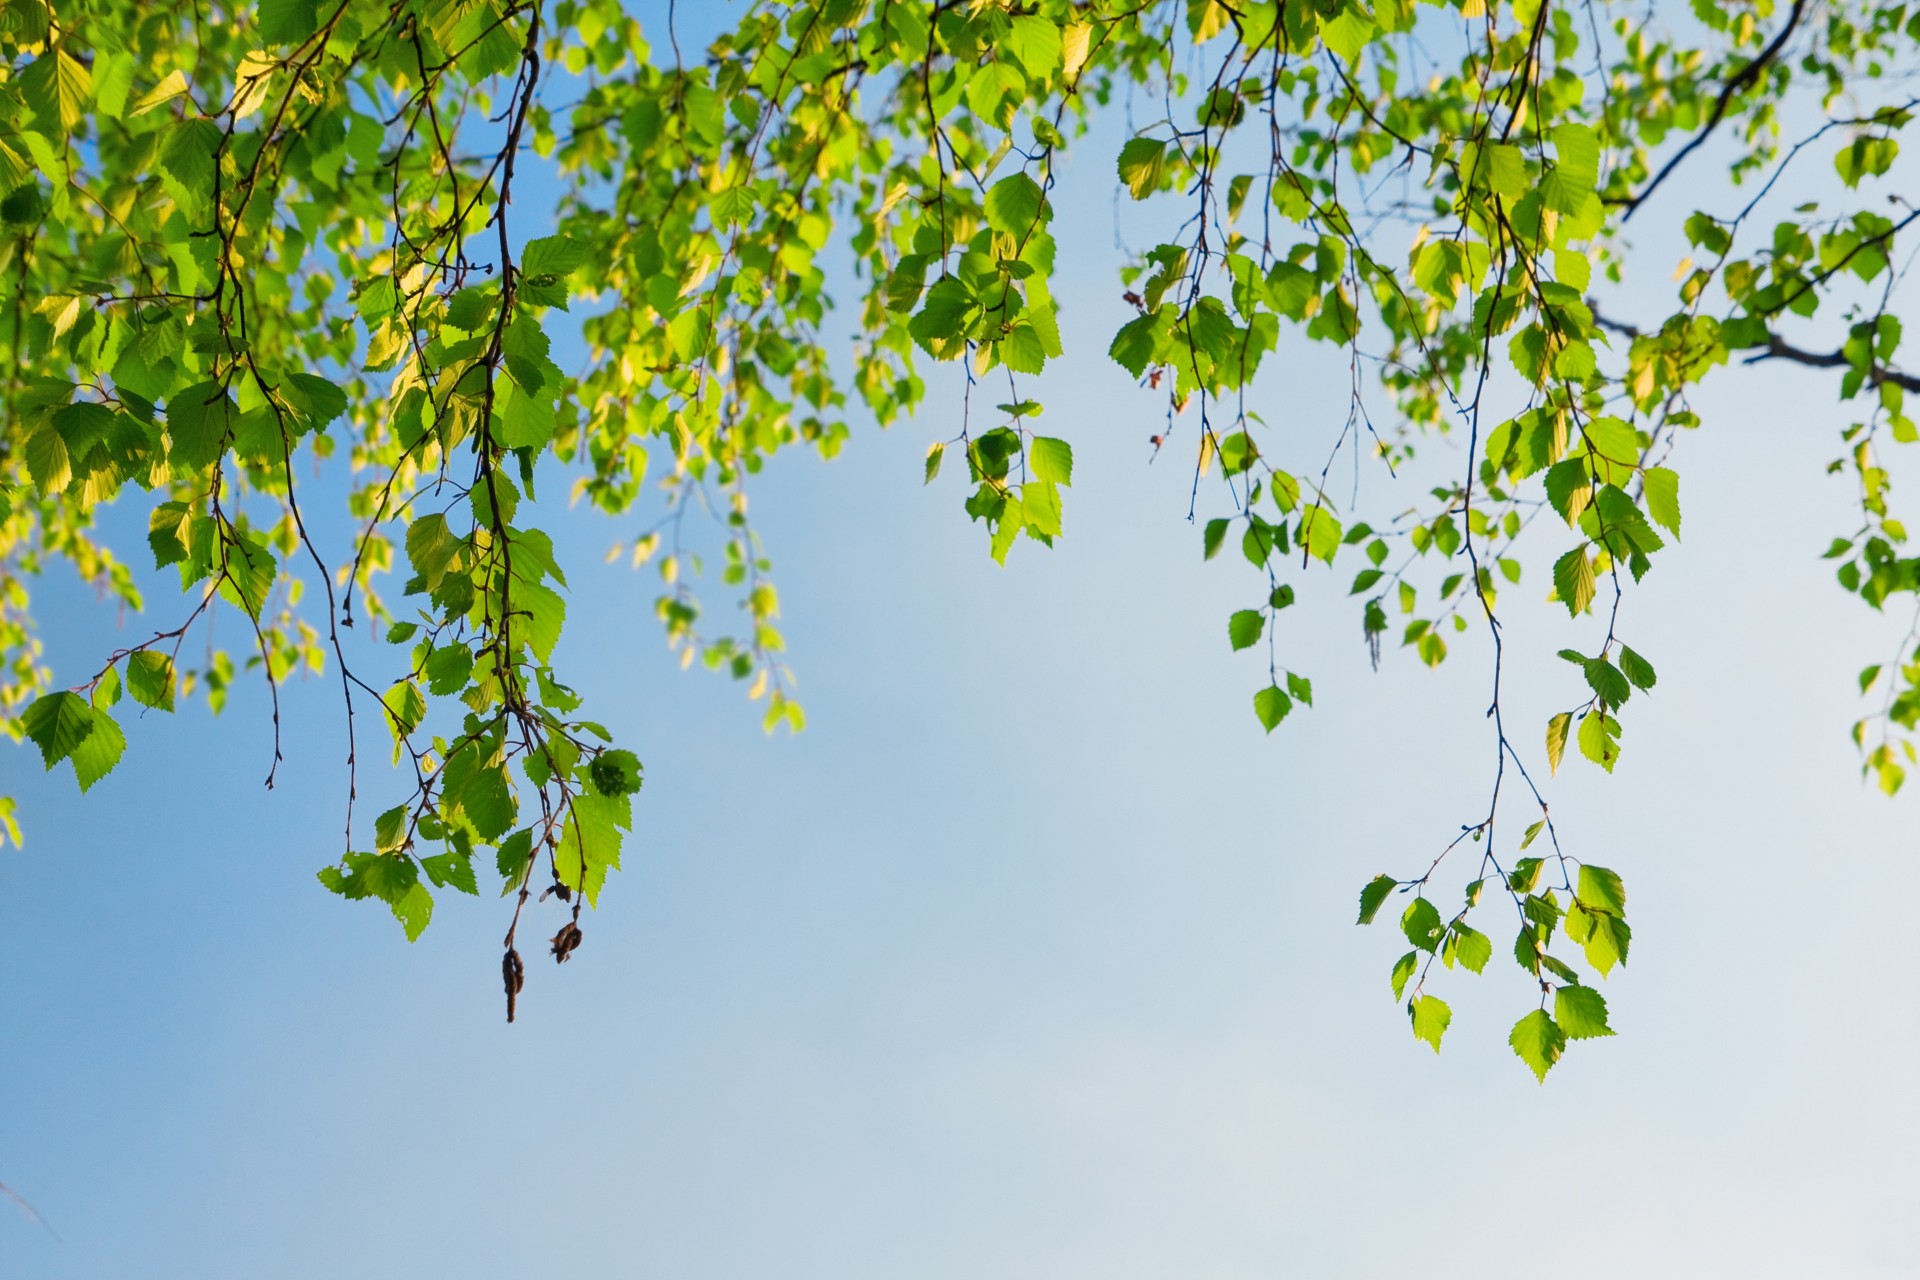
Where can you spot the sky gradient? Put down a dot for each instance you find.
(1032, 957)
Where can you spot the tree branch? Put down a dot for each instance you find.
(1778, 348)
(1741, 80)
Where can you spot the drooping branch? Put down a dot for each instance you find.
(1741, 80)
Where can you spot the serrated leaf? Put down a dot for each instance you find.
(1245, 627)
(1015, 205)
(513, 857)
(288, 21)
(1569, 489)
(554, 256)
(1539, 1042)
(432, 548)
(1422, 924)
(615, 773)
(1607, 682)
(1599, 739)
(413, 909)
(1606, 939)
(1557, 739)
(58, 723)
(1637, 669)
(1143, 163)
(1373, 894)
(1431, 1017)
(1602, 890)
(451, 871)
(936, 453)
(150, 679)
(100, 750)
(1573, 580)
(1271, 705)
(1662, 488)
(1137, 344)
(1402, 970)
(1581, 1013)
(1051, 459)
(1472, 948)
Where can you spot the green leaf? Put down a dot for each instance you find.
(451, 871)
(150, 679)
(200, 422)
(1606, 939)
(1576, 167)
(1402, 971)
(1245, 627)
(413, 909)
(1472, 948)
(1422, 925)
(513, 858)
(390, 830)
(1216, 534)
(1035, 41)
(172, 85)
(1052, 460)
(1569, 488)
(1347, 32)
(1662, 490)
(1602, 890)
(1137, 345)
(1539, 1042)
(554, 256)
(447, 669)
(1271, 706)
(936, 452)
(1143, 166)
(97, 752)
(1637, 669)
(188, 157)
(1015, 205)
(1581, 1013)
(106, 694)
(1599, 739)
(1320, 533)
(1431, 1017)
(288, 21)
(1557, 739)
(432, 548)
(942, 323)
(1607, 682)
(58, 723)
(1573, 580)
(615, 773)
(47, 461)
(1374, 894)
(1524, 875)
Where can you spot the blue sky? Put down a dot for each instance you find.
(1033, 956)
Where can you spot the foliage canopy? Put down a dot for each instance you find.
(239, 241)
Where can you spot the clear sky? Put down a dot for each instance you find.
(1033, 957)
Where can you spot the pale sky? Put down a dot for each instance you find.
(1032, 957)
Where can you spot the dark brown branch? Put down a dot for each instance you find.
(1780, 348)
(1741, 80)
